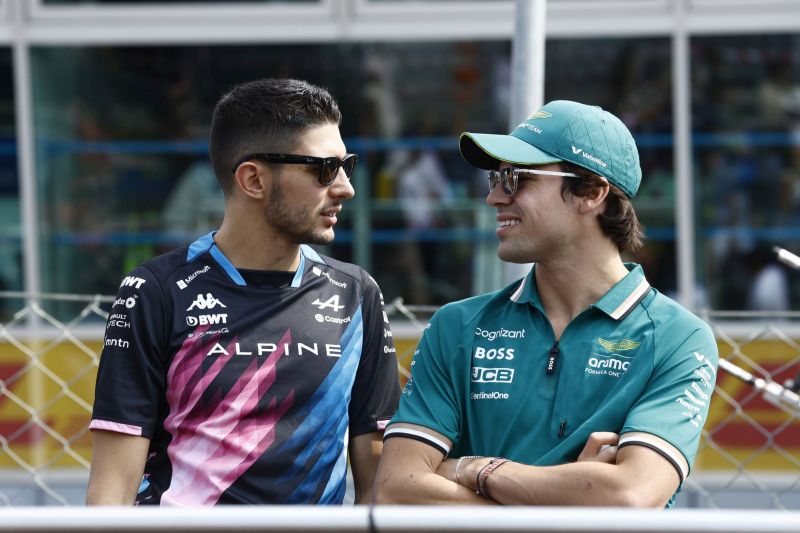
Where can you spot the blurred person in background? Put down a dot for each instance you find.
(245, 367)
(508, 389)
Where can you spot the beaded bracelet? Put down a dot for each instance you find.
(483, 475)
(461, 460)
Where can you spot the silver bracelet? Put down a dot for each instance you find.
(461, 460)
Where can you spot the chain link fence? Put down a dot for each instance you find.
(749, 456)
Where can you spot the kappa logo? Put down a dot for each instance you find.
(330, 303)
(620, 346)
(205, 302)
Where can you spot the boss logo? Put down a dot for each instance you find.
(494, 353)
(492, 375)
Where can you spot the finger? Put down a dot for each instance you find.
(599, 439)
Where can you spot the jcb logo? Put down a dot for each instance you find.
(492, 375)
(130, 281)
(330, 303)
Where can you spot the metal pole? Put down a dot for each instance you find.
(684, 197)
(26, 165)
(527, 81)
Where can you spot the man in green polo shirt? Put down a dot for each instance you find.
(509, 389)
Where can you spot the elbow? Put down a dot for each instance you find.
(388, 491)
(385, 494)
(636, 497)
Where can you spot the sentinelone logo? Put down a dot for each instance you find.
(183, 283)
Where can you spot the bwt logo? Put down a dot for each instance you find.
(130, 281)
(492, 375)
(205, 320)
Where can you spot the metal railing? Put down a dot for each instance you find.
(749, 456)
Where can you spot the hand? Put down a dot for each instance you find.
(601, 447)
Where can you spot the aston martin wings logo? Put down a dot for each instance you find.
(539, 114)
(624, 344)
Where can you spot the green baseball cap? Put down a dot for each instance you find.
(562, 130)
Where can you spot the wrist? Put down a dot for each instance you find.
(483, 475)
(467, 469)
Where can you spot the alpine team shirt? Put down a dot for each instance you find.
(247, 393)
(489, 375)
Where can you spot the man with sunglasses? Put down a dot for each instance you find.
(580, 360)
(246, 367)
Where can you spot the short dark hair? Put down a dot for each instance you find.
(618, 222)
(265, 116)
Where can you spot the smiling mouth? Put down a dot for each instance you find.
(507, 223)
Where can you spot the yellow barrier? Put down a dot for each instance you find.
(44, 409)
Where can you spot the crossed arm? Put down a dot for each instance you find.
(412, 472)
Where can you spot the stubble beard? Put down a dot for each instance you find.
(294, 223)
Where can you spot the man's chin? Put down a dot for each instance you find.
(513, 256)
(321, 238)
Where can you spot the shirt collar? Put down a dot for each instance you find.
(616, 303)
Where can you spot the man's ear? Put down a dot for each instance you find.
(594, 198)
(249, 178)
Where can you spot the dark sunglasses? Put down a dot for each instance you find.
(509, 177)
(328, 166)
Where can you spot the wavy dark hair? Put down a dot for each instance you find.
(619, 221)
(266, 116)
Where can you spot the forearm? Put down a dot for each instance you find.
(584, 484)
(420, 487)
(638, 478)
(117, 466)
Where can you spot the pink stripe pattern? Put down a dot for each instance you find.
(214, 441)
(107, 425)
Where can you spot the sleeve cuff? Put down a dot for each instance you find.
(417, 435)
(657, 445)
(116, 427)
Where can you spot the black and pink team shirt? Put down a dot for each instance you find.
(247, 383)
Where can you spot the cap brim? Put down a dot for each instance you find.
(487, 151)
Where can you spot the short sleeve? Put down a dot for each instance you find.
(430, 399)
(376, 388)
(131, 379)
(675, 403)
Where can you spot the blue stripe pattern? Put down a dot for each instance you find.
(200, 246)
(227, 266)
(312, 254)
(325, 421)
(298, 276)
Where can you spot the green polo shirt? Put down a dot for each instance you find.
(489, 375)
